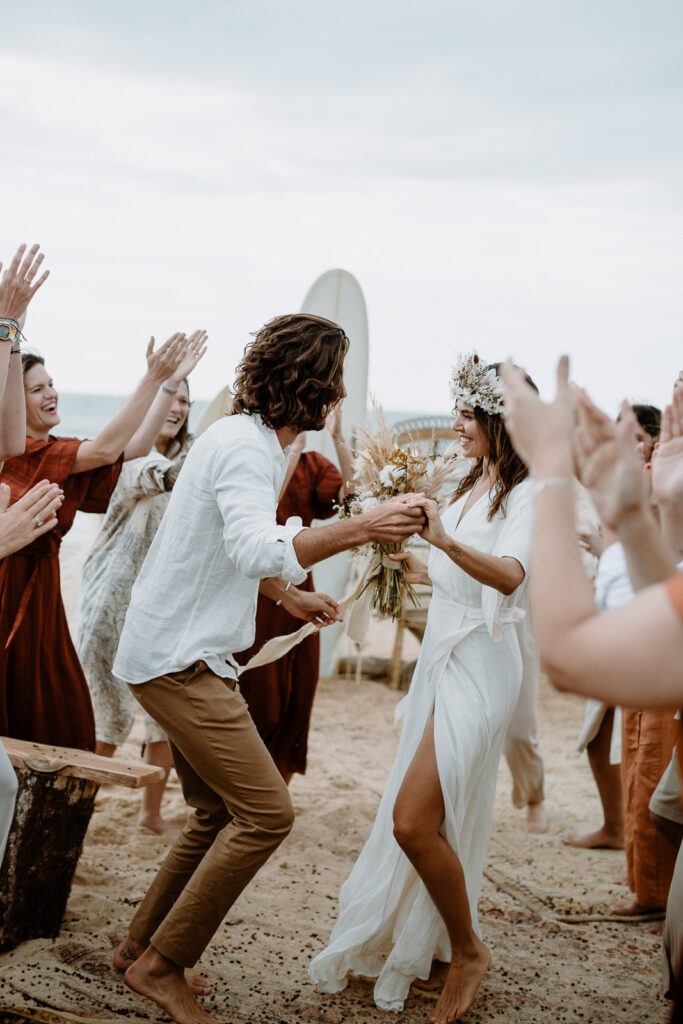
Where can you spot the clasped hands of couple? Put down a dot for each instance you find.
(391, 522)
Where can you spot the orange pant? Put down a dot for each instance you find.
(648, 738)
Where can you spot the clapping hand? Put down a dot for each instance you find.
(608, 462)
(541, 431)
(28, 518)
(590, 537)
(17, 286)
(667, 463)
(195, 347)
(163, 363)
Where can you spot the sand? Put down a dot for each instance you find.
(544, 969)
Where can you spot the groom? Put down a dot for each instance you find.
(192, 607)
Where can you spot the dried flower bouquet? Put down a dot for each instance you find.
(382, 470)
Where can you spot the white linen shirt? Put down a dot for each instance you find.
(195, 597)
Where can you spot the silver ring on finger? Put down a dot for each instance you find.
(39, 522)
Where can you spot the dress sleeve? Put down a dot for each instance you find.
(514, 540)
(328, 481)
(144, 477)
(100, 484)
(516, 535)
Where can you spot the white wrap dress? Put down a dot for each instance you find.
(469, 673)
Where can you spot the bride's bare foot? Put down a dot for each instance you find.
(602, 839)
(155, 823)
(157, 978)
(462, 981)
(436, 979)
(536, 818)
(128, 951)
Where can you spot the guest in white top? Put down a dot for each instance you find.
(217, 540)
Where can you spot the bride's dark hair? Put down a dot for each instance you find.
(510, 470)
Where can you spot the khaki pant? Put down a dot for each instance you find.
(242, 810)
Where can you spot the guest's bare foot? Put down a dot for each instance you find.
(462, 981)
(128, 951)
(437, 977)
(603, 839)
(157, 978)
(155, 823)
(631, 908)
(536, 818)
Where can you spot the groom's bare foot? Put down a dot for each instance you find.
(536, 818)
(157, 978)
(128, 951)
(462, 981)
(602, 839)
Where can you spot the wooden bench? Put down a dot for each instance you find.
(55, 800)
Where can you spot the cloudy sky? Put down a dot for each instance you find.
(500, 176)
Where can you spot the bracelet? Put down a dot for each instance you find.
(551, 481)
(10, 331)
(168, 391)
(278, 603)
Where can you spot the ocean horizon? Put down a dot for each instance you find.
(83, 415)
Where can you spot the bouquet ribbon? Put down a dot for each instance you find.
(356, 601)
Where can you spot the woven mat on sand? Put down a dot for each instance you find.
(555, 881)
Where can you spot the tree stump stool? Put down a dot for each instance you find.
(55, 800)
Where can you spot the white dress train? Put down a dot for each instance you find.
(469, 673)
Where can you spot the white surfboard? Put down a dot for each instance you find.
(337, 295)
(218, 408)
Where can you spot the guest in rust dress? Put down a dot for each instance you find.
(280, 695)
(43, 693)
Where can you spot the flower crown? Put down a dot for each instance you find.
(474, 382)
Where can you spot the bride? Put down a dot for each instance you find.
(409, 908)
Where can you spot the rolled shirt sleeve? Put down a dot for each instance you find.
(246, 494)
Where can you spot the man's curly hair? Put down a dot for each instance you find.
(292, 372)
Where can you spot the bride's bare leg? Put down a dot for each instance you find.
(418, 816)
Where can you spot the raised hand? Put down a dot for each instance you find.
(195, 347)
(29, 517)
(163, 363)
(590, 537)
(541, 431)
(312, 607)
(19, 284)
(608, 462)
(667, 463)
